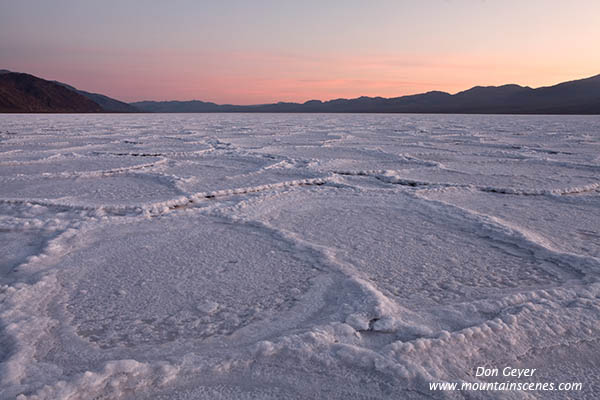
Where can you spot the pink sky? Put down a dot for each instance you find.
(242, 54)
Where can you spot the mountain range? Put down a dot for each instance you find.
(106, 103)
(23, 93)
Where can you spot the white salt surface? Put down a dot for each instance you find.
(296, 256)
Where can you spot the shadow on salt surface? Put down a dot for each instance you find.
(406, 247)
(172, 147)
(516, 177)
(126, 189)
(557, 363)
(216, 172)
(184, 277)
(72, 164)
(566, 223)
(25, 230)
(17, 246)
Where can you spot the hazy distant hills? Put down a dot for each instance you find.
(108, 104)
(180, 106)
(575, 97)
(26, 93)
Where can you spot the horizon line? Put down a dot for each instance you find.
(309, 99)
(362, 96)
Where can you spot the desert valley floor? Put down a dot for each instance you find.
(264, 256)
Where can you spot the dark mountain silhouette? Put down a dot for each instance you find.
(178, 106)
(575, 97)
(108, 104)
(27, 93)
(24, 93)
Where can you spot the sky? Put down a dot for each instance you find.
(259, 51)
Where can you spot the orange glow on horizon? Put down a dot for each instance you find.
(267, 51)
(297, 79)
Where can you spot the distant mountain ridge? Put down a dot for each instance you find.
(23, 93)
(574, 97)
(178, 106)
(108, 104)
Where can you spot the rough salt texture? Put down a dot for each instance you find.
(296, 256)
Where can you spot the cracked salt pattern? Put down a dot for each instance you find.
(296, 256)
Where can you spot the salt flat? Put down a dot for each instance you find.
(291, 256)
